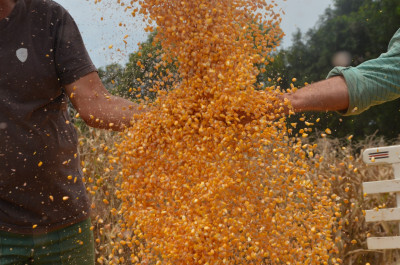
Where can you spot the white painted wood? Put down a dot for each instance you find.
(377, 156)
(396, 170)
(382, 155)
(384, 242)
(392, 214)
(384, 186)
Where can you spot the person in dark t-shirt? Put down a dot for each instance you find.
(43, 61)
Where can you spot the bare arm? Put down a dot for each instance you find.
(327, 95)
(97, 107)
(6, 6)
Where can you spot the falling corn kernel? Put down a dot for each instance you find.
(328, 131)
(65, 198)
(209, 173)
(40, 164)
(34, 226)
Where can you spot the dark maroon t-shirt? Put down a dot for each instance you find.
(40, 51)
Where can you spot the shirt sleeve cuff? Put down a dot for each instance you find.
(71, 77)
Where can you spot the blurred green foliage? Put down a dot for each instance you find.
(144, 69)
(361, 27)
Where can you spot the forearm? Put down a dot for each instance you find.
(327, 95)
(98, 108)
(111, 112)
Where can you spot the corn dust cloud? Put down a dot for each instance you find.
(211, 173)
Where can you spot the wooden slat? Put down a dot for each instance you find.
(382, 155)
(392, 214)
(385, 186)
(383, 242)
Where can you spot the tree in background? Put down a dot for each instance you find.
(361, 27)
(111, 76)
(143, 75)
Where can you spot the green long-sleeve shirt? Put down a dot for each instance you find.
(375, 81)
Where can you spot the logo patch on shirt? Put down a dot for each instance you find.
(22, 54)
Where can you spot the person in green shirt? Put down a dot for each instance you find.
(352, 90)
